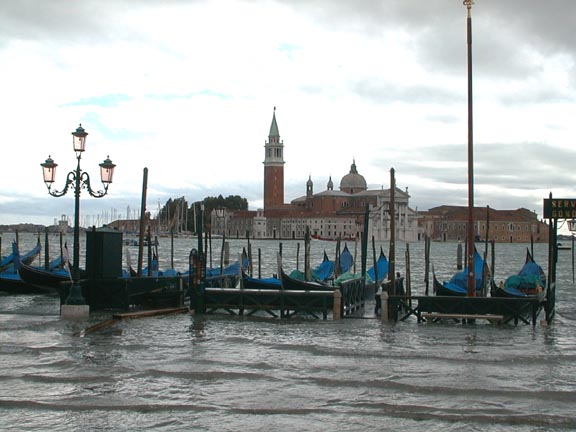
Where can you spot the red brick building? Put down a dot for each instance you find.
(449, 223)
(274, 168)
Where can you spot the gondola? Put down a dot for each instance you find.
(530, 282)
(260, 283)
(345, 260)
(458, 284)
(49, 281)
(290, 283)
(27, 258)
(376, 275)
(229, 275)
(232, 269)
(10, 282)
(6, 262)
(10, 278)
(154, 272)
(323, 273)
(379, 272)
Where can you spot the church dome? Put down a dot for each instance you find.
(353, 182)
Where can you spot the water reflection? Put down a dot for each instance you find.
(470, 344)
(198, 327)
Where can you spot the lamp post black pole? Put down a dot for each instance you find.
(77, 180)
(75, 296)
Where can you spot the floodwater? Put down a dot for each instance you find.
(229, 373)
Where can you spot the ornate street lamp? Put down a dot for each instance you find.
(77, 180)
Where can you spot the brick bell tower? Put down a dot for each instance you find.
(273, 168)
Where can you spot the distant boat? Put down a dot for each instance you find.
(319, 237)
(136, 242)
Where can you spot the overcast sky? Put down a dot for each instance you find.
(187, 89)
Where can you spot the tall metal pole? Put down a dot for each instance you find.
(471, 276)
(142, 226)
(392, 253)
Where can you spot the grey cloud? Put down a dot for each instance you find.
(424, 198)
(495, 55)
(503, 31)
(519, 166)
(538, 96)
(69, 20)
(384, 92)
(543, 25)
(55, 19)
(444, 118)
(548, 25)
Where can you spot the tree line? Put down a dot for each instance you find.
(178, 215)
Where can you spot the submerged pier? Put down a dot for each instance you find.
(344, 301)
(497, 310)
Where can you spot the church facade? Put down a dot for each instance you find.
(330, 214)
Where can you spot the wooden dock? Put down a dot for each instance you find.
(498, 310)
(340, 302)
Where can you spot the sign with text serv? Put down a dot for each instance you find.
(559, 208)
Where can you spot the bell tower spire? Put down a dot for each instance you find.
(273, 167)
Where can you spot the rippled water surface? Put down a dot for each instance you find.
(223, 373)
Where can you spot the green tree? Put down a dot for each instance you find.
(177, 215)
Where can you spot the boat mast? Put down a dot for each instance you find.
(471, 276)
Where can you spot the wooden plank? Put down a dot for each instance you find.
(150, 313)
(96, 327)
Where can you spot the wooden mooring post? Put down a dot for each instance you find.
(337, 308)
(384, 316)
